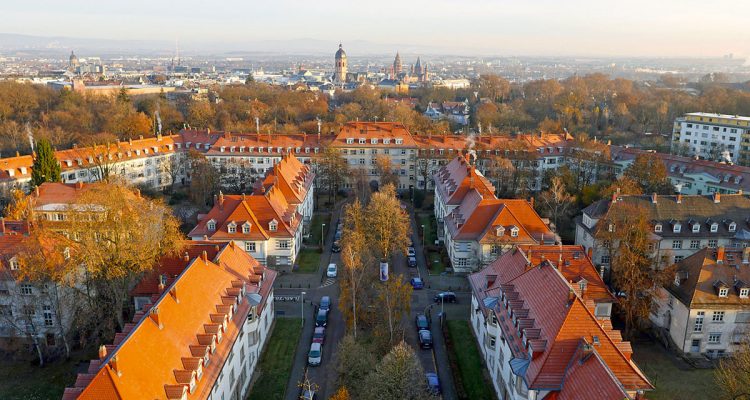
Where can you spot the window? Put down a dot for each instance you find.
(282, 244)
(695, 244)
(712, 243)
(723, 292)
(657, 228)
(26, 289)
(718, 316)
(47, 315)
(744, 293)
(714, 338)
(514, 232)
(211, 225)
(232, 228)
(678, 259)
(714, 227)
(461, 262)
(698, 327)
(492, 342)
(606, 259)
(246, 227)
(272, 226)
(677, 244)
(696, 228)
(732, 227)
(13, 264)
(250, 247)
(677, 228)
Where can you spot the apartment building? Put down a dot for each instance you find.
(690, 175)
(706, 309)
(200, 338)
(540, 315)
(681, 225)
(296, 181)
(264, 224)
(715, 137)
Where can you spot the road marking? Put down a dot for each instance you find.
(327, 282)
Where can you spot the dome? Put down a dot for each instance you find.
(341, 53)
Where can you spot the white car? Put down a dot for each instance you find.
(315, 355)
(331, 271)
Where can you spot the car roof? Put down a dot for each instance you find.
(320, 329)
(325, 298)
(331, 265)
(416, 279)
(322, 312)
(425, 332)
(315, 346)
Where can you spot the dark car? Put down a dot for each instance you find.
(337, 236)
(416, 283)
(319, 335)
(336, 247)
(325, 303)
(425, 339)
(446, 297)
(322, 318)
(422, 322)
(433, 382)
(412, 262)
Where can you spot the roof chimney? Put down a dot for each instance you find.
(720, 255)
(36, 191)
(102, 352)
(679, 198)
(154, 315)
(571, 296)
(221, 199)
(717, 197)
(653, 198)
(614, 197)
(186, 256)
(204, 256)
(2, 222)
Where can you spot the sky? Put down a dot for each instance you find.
(662, 28)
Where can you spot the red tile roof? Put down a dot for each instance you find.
(457, 178)
(155, 356)
(293, 178)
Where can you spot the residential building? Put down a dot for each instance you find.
(540, 315)
(264, 224)
(715, 137)
(706, 308)
(681, 225)
(296, 181)
(200, 338)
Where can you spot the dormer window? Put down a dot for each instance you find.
(399, 141)
(13, 264)
(611, 227)
(500, 231)
(386, 141)
(232, 227)
(657, 228)
(211, 225)
(696, 228)
(714, 227)
(677, 279)
(349, 140)
(273, 225)
(732, 227)
(723, 292)
(514, 232)
(744, 292)
(362, 141)
(677, 228)
(246, 227)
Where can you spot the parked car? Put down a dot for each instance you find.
(425, 339)
(411, 242)
(315, 356)
(412, 262)
(433, 382)
(331, 271)
(422, 322)
(325, 303)
(416, 283)
(411, 252)
(447, 297)
(337, 236)
(322, 318)
(336, 247)
(319, 335)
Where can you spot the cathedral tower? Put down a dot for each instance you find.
(341, 66)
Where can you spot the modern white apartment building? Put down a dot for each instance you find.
(716, 137)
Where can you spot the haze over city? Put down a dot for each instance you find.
(670, 28)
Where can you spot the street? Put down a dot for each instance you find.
(290, 286)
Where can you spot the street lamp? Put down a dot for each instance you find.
(422, 235)
(322, 239)
(302, 308)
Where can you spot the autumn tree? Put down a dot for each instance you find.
(388, 225)
(393, 300)
(650, 173)
(204, 179)
(18, 207)
(46, 168)
(341, 394)
(333, 170)
(625, 233)
(384, 168)
(556, 200)
(733, 373)
(398, 376)
(355, 360)
(354, 257)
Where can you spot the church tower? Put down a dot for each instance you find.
(397, 66)
(341, 66)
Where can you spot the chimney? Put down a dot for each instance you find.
(102, 352)
(2, 222)
(154, 315)
(717, 197)
(739, 192)
(571, 296)
(720, 255)
(79, 185)
(601, 272)
(186, 256)
(221, 199)
(590, 252)
(204, 256)
(217, 248)
(471, 177)
(679, 198)
(113, 365)
(231, 244)
(36, 191)
(614, 197)
(653, 198)
(161, 287)
(205, 237)
(746, 255)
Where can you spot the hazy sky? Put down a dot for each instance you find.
(532, 27)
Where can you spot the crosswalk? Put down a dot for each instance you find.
(328, 282)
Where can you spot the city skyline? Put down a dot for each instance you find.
(544, 28)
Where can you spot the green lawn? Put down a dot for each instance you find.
(315, 225)
(308, 261)
(22, 380)
(671, 381)
(276, 362)
(430, 228)
(471, 373)
(436, 264)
